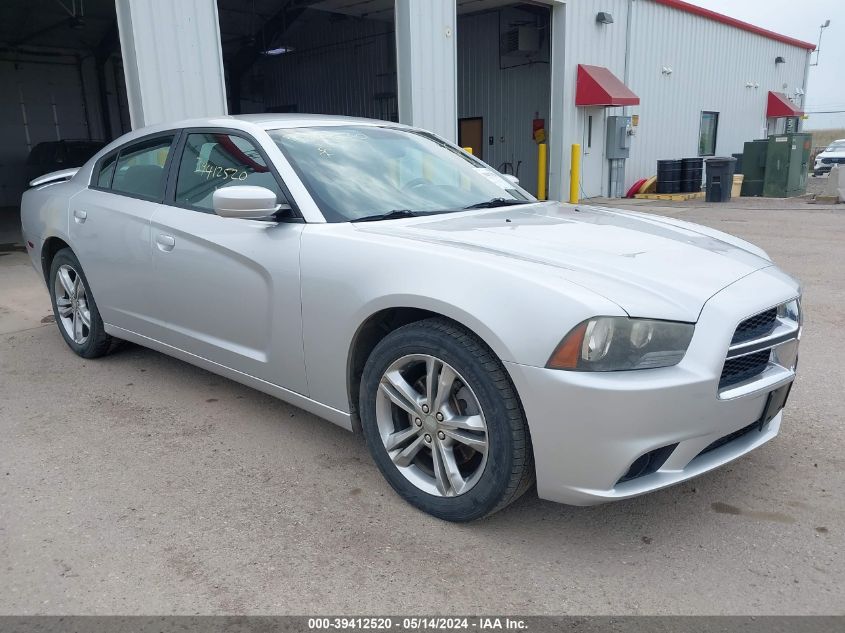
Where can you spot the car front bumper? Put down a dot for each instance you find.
(589, 428)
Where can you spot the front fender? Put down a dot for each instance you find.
(521, 310)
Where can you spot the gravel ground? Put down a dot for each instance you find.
(137, 484)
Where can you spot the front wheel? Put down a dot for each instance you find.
(443, 422)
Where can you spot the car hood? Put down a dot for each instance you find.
(648, 265)
(839, 153)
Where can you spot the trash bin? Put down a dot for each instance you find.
(720, 172)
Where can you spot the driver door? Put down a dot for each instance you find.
(227, 289)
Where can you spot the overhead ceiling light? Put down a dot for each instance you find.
(278, 51)
(603, 17)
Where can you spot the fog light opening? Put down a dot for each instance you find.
(648, 463)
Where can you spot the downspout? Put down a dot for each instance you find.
(804, 88)
(626, 110)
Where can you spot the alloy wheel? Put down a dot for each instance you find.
(432, 425)
(72, 304)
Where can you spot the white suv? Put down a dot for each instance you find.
(833, 154)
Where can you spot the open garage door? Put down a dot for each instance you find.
(63, 91)
(504, 81)
(324, 57)
(339, 57)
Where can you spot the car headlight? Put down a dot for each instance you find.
(620, 343)
(791, 311)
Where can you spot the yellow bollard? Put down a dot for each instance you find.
(575, 173)
(468, 150)
(542, 153)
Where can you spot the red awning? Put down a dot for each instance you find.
(780, 105)
(597, 86)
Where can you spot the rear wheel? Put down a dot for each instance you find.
(443, 423)
(74, 307)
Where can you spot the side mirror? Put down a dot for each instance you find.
(511, 179)
(245, 202)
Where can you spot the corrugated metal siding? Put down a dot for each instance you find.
(507, 99)
(583, 41)
(337, 67)
(426, 58)
(172, 59)
(711, 64)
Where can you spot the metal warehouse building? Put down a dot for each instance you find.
(494, 75)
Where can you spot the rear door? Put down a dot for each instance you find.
(110, 228)
(227, 289)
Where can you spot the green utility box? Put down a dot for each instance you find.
(787, 165)
(754, 167)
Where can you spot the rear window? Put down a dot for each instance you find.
(140, 168)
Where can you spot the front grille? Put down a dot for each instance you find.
(755, 327)
(737, 370)
(730, 437)
(830, 161)
(757, 344)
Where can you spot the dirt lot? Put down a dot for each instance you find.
(139, 484)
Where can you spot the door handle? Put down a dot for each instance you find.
(80, 216)
(165, 242)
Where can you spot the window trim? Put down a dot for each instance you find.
(715, 131)
(95, 172)
(179, 149)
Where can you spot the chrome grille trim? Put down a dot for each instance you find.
(786, 330)
(737, 378)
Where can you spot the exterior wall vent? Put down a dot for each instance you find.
(523, 41)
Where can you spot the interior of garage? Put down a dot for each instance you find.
(61, 67)
(62, 79)
(339, 57)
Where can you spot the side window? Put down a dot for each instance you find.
(212, 161)
(106, 171)
(707, 133)
(140, 168)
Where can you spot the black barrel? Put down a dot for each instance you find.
(668, 176)
(692, 173)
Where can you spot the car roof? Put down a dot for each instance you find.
(265, 121)
(270, 121)
(248, 123)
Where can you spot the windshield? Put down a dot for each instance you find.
(836, 146)
(361, 171)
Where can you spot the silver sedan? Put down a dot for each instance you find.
(385, 280)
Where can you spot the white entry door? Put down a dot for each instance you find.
(592, 152)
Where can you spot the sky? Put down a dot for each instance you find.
(801, 19)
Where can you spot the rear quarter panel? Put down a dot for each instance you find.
(44, 214)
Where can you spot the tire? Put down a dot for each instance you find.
(480, 470)
(91, 341)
